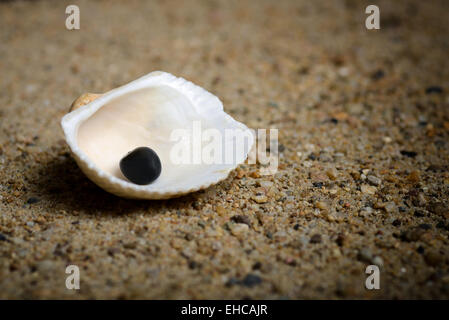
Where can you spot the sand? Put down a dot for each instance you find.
(363, 148)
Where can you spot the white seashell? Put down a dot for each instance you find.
(101, 129)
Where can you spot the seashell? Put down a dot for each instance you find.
(101, 129)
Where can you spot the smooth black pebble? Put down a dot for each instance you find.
(141, 166)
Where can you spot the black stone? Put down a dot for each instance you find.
(241, 219)
(3, 237)
(425, 226)
(379, 74)
(436, 168)
(251, 280)
(257, 266)
(419, 214)
(340, 240)
(233, 281)
(422, 123)
(441, 225)
(316, 238)
(317, 184)
(32, 200)
(434, 89)
(141, 166)
(410, 154)
(193, 264)
(420, 250)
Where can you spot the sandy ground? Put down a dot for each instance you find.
(363, 131)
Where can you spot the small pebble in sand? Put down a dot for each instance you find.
(324, 157)
(425, 226)
(379, 74)
(32, 200)
(220, 210)
(241, 219)
(365, 255)
(355, 175)
(441, 225)
(193, 264)
(332, 173)
(239, 229)
(366, 210)
(254, 174)
(317, 184)
(412, 234)
(260, 198)
(251, 280)
(378, 261)
(433, 258)
(266, 184)
(390, 207)
(341, 240)
(439, 208)
(434, 89)
(418, 200)
(413, 177)
(316, 238)
(410, 154)
(307, 164)
(387, 139)
(368, 189)
(45, 265)
(321, 205)
(375, 181)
